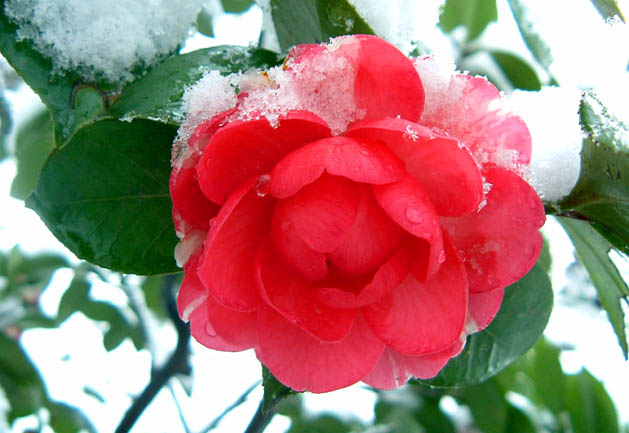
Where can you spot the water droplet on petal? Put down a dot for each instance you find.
(209, 330)
(442, 256)
(262, 185)
(461, 255)
(285, 225)
(413, 215)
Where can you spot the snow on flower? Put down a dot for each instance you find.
(352, 216)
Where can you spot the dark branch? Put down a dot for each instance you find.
(177, 363)
(260, 420)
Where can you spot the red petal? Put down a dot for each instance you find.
(321, 213)
(302, 362)
(482, 308)
(202, 134)
(420, 318)
(188, 199)
(359, 160)
(394, 369)
(237, 330)
(387, 84)
(388, 277)
(501, 243)
(446, 170)
(409, 206)
(227, 269)
(244, 149)
(292, 297)
(191, 293)
(373, 238)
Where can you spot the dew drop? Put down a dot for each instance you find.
(262, 185)
(413, 215)
(442, 256)
(461, 255)
(285, 225)
(212, 222)
(209, 330)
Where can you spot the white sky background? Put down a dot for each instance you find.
(221, 377)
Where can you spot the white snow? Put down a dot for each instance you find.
(552, 118)
(103, 39)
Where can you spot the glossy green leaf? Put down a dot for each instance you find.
(274, 390)
(474, 15)
(119, 327)
(315, 21)
(204, 23)
(517, 421)
(590, 407)
(73, 299)
(67, 419)
(608, 9)
(528, 29)
(432, 418)
(105, 196)
(515, 329)
(236, 6)
(547, 376)
(33, 143)
(601, 194)
(159, 94)
(58, 93)
(592, 250)
(519, 73)
(545, 260)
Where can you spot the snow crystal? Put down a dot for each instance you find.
(103, 39)
(552, 118)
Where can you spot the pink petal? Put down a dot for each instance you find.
(293, 297)
(191, 293)
(482, 308)
(358, 160)
(202, 134)
(227, 268)
(501, 243)
(241, 328)
(387, 84)
(244, 149)
(390, 275)
(373, 238)
(445, 170)
(302, 362)
(410, 207)
(395, 369)
(420, 318)
(321, 213)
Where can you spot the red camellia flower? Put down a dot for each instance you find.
(351, 215)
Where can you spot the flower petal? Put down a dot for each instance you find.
(409, 206)
(227, 268)
(293, 297)
(189, 202)
(358, 160)
(482, 308)
(387, 84)
(240, 328)
(302, 362)
(321, 213)
(445, 169)
(244, 149)
(501, 243)
(387, 278)
(373, 238)
(420, 318)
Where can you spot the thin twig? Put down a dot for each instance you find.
(260, 420)
(231, 407)
(177, 363)
(182, 418)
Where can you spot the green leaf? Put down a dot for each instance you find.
(592, 250)
(73, 299)
(274, 390)
(33, 272)
(119, 327)
(531, 37)
(33, 144)
(236, 6)
(515, 329)
(601, 194)
(6, 124)
(488, 406)
(608, 9)
(67, 419)
(545, 260)
(474, 15)
(517, 71)
(105, 196)
(315, 21)
(517, 421)
(58, 93)
(204, 23)
(433, 419)
(547, 376)
(159, 94)
(590, 407)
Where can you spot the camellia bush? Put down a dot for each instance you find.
(351, 203)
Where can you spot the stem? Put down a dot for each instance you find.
(260, 420)
(177, 363)
(231, 407)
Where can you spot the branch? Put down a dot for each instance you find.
(231, 407)
(177, 363)
(261, 419)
